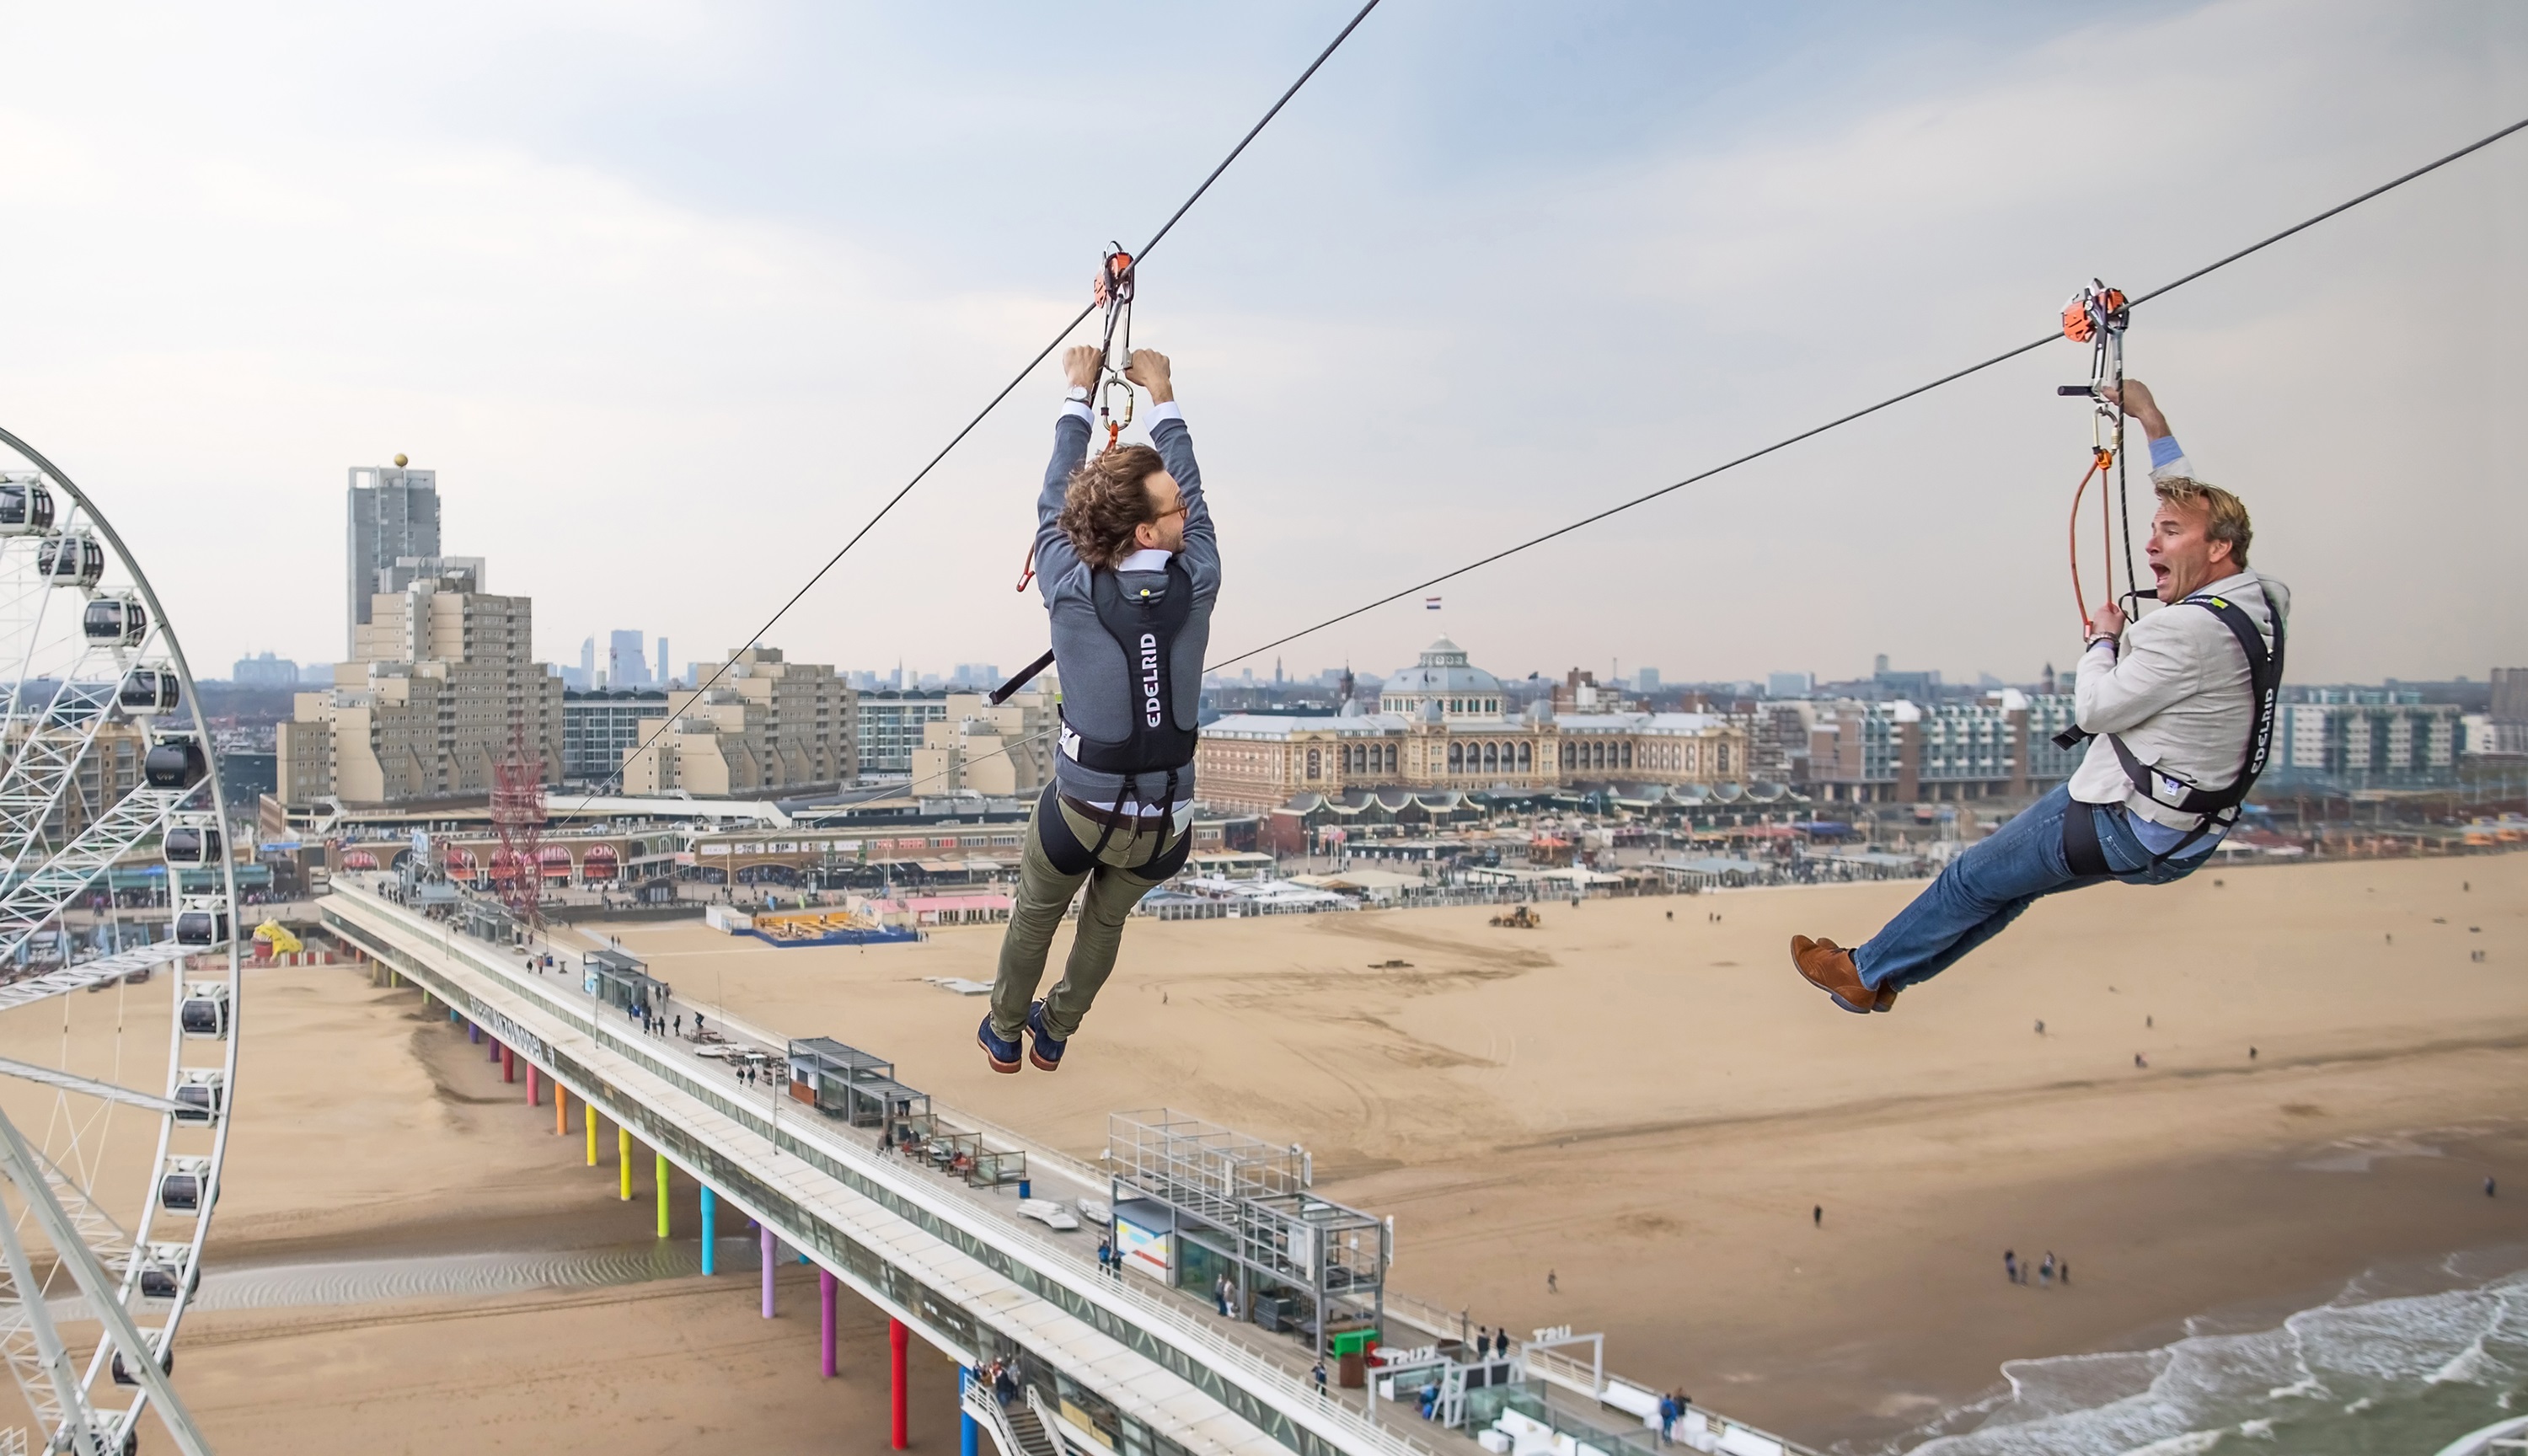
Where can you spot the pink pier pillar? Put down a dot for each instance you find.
(767, 1272)
(825, 1322)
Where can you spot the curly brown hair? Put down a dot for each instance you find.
(1108, 497)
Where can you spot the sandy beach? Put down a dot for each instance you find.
(1649, 1108)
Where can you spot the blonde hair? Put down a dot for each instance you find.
(2228, 513)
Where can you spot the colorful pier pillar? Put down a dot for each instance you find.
(767, 1261)
(535, 1093)
(662, 1194)
(623, 1158)
(825, 1322)
(898, 1336)
(562, 1110)
(711, 1227)
(509, 1065)
(969, 1434)
(588, 1119)
(472, 1031)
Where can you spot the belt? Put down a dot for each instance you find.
(1098, 813)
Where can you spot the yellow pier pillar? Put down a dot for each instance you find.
(588, 1116)
(623, 1158)
(662, 1195)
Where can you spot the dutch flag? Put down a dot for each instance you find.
(1431, 604)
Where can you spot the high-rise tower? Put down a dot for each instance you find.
(393, 513)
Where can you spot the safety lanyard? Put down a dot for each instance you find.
(1114, 293)
(2096, 316)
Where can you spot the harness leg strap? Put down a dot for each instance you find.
(2081, 851)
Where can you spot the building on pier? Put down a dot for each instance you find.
(1195, 1202)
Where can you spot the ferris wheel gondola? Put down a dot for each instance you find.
(115, 867)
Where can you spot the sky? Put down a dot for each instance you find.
(673, 296)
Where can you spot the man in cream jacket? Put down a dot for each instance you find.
(2179, 707)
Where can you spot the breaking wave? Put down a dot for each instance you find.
(2355, 1374)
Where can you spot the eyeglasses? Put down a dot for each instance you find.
(1176, 509)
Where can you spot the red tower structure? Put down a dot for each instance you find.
(518, 816)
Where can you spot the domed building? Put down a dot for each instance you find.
(1443, 726)
(1443, 676)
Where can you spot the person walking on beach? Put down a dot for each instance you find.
(1817, 1215)
(1129, 566)
(2046, 1271)
(2179, 706)
(1552, 1284)
(2009, 1265)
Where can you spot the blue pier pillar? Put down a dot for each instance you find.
(968, 1435)
(710, 1212)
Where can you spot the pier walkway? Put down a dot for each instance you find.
(953, 1264)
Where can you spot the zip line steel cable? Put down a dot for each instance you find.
(1893, 400)
(1951, 377)
(1809, 434)
(1020, 376)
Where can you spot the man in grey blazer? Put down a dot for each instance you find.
(2178, 709)
(1129, 568)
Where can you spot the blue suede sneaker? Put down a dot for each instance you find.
(1003, 1051)
(1044, 1049)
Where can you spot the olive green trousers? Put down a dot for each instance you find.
(1045, 893)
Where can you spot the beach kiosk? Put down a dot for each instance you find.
(858, 1087)
(620, 980)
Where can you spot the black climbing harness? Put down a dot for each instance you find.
(2214, 808)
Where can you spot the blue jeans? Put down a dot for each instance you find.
(1985, 888)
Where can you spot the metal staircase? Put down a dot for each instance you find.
(1014, 1431)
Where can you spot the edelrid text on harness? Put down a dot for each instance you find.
(1145, 624)
(2215, 808)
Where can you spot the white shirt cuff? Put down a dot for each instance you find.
(1167, 411)
(1075, 409)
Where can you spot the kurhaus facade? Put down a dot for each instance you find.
(1455, 734)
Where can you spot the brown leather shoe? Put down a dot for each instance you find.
(1828, 967)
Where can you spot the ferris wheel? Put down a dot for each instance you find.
(119, 976)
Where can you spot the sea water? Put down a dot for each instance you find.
(2360, 1374)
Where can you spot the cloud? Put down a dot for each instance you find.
(674, 296)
